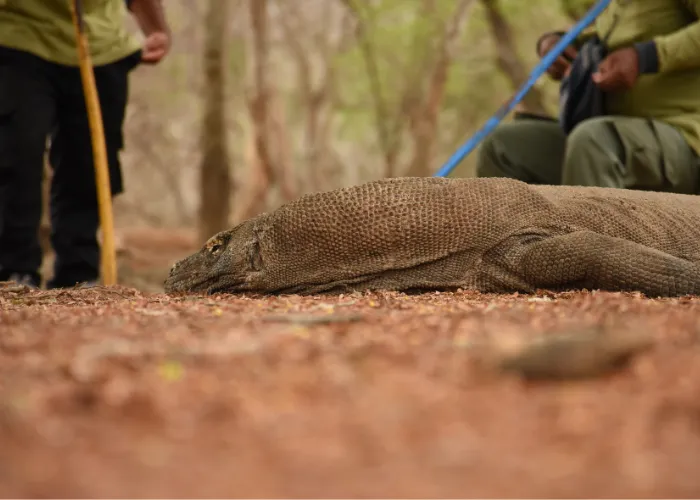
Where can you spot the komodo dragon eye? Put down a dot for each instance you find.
(215, 246)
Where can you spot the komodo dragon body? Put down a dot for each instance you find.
(491, 235)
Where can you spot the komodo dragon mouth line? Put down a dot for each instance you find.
(227, 288)
(174, 285)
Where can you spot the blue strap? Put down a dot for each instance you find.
(539, 70)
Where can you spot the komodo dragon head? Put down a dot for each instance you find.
(223, 263)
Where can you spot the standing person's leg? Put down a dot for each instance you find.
(27, 113)
(74, 208)
(630, 153)
(528, 150)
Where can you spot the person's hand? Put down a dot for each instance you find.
(155, 47)
(618, 71)
(560, 67)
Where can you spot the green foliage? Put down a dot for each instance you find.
(404, 37)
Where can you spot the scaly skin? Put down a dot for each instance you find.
(491, 235)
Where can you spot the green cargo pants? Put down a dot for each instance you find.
(621, 152)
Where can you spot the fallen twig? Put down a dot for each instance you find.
(309, 319)
(575, 355)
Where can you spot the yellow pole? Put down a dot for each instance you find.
(99, 150)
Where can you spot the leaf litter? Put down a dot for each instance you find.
(108, 391)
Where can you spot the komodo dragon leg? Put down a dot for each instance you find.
(597, 261)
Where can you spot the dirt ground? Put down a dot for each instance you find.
(113, 392)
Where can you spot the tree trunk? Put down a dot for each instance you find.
(262, 179)
(215, 177)
(284, 157)
(425, 127)
(424, 119)
(388, 145)
(253, 201)
(316, 94)
(508, 59)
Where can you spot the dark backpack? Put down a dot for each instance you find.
(579, 97)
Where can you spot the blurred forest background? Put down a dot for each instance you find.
(261, 101)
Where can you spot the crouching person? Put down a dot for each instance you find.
(646, 134)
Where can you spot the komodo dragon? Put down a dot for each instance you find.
(491, 235)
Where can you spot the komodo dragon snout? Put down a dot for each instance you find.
(223, 262)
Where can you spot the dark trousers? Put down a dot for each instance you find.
(40, 100)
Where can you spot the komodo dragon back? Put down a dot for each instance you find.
(495, 235)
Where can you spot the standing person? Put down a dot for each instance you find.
(41, 97)
(649, 134)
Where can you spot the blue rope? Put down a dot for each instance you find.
(545, 63)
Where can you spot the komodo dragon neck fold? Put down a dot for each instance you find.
(491, 235)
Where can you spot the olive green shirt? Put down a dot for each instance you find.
(671, 91)
(45, 29)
